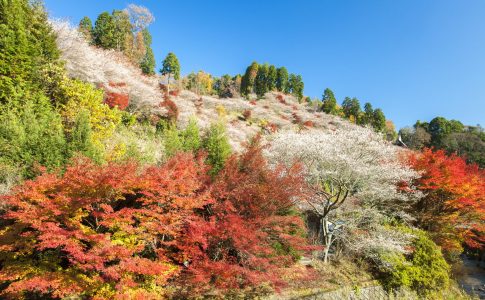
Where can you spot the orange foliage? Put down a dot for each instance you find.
(454, 207)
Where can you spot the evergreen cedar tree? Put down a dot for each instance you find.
(116, 231)
(171, 67)
(453, 210)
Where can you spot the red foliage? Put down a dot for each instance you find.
(247, 114)
(252, 102)
(116, 99)
(308, 123)
(104, 231)
(248, 234)
(172, 109)
(174, 93)
(454, 207)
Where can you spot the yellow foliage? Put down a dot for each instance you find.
(221, 111)
(83, 96)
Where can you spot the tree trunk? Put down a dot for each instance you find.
(327, 239)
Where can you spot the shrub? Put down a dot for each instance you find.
(247, 114)
(249, 232)
(425, 270)
(172, 110)
(32, 134)
(217, 146)
(119, 100)
(99, 232)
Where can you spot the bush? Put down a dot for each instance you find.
(424, 270)
(217, 146)
(100, 232)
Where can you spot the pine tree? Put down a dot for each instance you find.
(296, 86)
(86, 29)
(171, 67)
(271, 79)
(122, 30)
(351, 108)
(368, 115)
(329, 103)
(261, 81)
(247, 81)
(147, 64)
(104, 31)
(379, 120)
(282, 80)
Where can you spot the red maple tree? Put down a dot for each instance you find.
(453, 208)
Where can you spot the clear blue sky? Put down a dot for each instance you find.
(416, 59)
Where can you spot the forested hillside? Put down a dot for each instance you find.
(118, 182)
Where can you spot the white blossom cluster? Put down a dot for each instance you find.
(102, 67)
(356, 159)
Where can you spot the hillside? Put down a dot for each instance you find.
(244, 118)
(119, 183)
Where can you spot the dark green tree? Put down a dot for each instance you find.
(104, 32)
(378, 120)
(86, 29)
(122, 30)
(261, 82)
(351, 108)
(329, 103)
(296, 86)
(247, 81)
(171, 67)
(368, 115)
(282, 80)
(148, 62)
(272, 78)
(27, 48)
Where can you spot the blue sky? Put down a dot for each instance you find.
(415, 59)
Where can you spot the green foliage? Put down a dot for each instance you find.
(351, 107)
(80, 138)
(187, 140)
(271, 78)
(378, 120)
(171, 67)
(261, 81)
(329, 103)
(32, 134)
(424, 270)
(247, 81)
(86, 28)
(122, 30)
(27, 46)
(282, 80)
(216, 144)
(450, 135)
(147, 64)
(104, 32)
(296, 86)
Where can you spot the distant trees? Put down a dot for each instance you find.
(200, 83)
(282, 80)
(86, 28)
(329, 103)
(171, 67)
(104, 32)
(247, 81)
(296, 86)
(227, 86)
(125, 31)
(351, 109)
(264, 78)
(450, 135)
